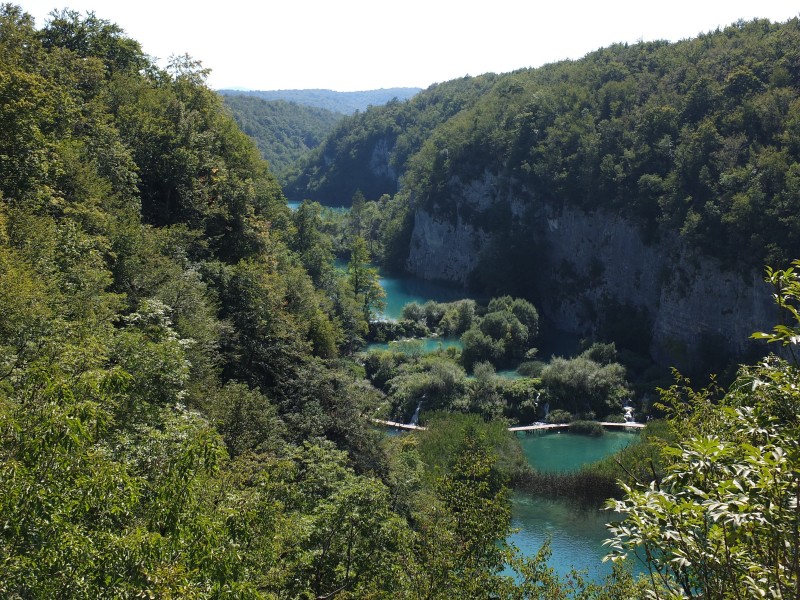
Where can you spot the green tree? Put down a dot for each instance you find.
(364, 279)
(459, 549)
(581, 385)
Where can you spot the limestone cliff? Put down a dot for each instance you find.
(593, 261)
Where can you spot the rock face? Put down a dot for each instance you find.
(595, 264)
(444, 250)
(380, 160)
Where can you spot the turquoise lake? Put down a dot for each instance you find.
(402, 290)
(576, 535)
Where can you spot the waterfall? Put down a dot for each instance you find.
(415, 416)
(628, 412)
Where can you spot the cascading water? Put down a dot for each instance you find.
(415, 416)
(628, 412)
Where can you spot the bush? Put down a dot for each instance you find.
(615, 418)
(591, 428)
(413, 311)
(531, 368)
(558, 416)
(582, 385)
(458, 318)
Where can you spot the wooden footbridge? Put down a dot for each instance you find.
(545, 426)
(395, 425)
(526, 428)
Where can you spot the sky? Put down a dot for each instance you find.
(351, 45)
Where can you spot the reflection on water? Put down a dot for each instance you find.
(576, 536)
(552, 452)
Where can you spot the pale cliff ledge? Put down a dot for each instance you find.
(593, 260)
(442, 250)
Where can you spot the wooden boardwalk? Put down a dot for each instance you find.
(395, 425)
(545, 426)
(539, 427)
(534, 427)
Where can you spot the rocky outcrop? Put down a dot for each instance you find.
(596, 262)
(380, 164)
(599, 260)
(444, 250)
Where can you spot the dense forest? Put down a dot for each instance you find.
(345, 103)
(367, 152)
(696, 138)
(283, 131)
(186, 408)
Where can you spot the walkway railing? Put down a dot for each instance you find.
(396, 425)
(534, 427)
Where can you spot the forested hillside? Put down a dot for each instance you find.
(696, 138)
(339, 102)
(283, 131)
(650, 182)
(174, 418)
(368, 152)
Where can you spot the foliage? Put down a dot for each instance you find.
(503, 334)
(786, 283)
(438, 445)
(694, 139)
(283, 131)
(368, 151)
(727, 523)
(180, 415)
(723, 521)
(559, 415)
(592, 428)
(581, 385)
(363, 280)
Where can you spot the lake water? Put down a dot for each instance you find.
(294, 205)
(401, 290)
(552, 452)
(427, 344)
(576, 535)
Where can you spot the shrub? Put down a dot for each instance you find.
(558, 416)
(615, 418)
(531, 368)
(592, 428)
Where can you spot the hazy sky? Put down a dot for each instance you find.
(351, 45)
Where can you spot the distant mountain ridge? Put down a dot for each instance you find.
(342, 102)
